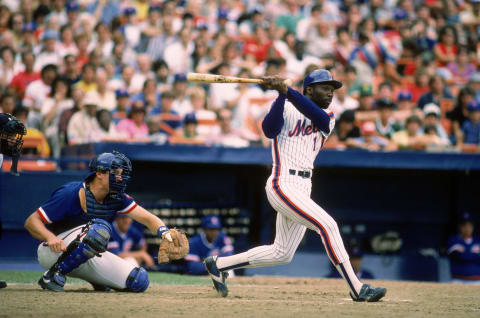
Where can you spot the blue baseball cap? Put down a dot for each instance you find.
(404, 95)
(211, 222)
(179, 77)
(121, 93)
(355, 251)
(190, 118)
(129, 11)
(465, 217)
(473, 106)
(222, 13)
(49, 34)
(321, 76)
(29, 27)
(72, 6)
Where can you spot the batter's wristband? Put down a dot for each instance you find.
(161, 230)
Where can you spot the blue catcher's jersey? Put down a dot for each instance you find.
(464, 257)
(200, 248)
(120, 242)
(63, 211)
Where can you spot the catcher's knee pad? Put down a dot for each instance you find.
(137, 280)
(94, 243)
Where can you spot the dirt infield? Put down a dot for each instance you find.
(249, 297)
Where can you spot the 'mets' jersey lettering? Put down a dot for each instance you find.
(300, 140)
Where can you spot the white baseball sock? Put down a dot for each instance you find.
(232, 262)
(345, 269)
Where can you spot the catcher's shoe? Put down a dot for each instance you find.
(100, 288)
(52, 280)
(369, 294)
(218, 277)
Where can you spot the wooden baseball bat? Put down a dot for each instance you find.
(212, 78)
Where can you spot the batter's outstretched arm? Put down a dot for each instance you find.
(304, 105)
(273, 122)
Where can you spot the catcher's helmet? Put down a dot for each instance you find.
(12, 131)
(320, 76)
(109, 162)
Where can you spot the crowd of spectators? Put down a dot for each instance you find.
(97, 70)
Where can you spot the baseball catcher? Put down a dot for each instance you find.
(74, 225)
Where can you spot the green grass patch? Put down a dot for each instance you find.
(156, 278)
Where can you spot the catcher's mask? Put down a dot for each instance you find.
(12, 131)
(111, 162)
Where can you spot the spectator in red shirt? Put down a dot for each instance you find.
(258, 45)
(446, 49)
(20, 81)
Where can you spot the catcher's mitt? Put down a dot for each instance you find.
(173, 250)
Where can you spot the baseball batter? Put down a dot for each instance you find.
(74, 225)
(299, 125)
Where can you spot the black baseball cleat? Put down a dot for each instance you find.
(369, 294)
(100, 288)
(52, 280)
(218, 277)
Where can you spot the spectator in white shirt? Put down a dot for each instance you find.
(49, 54)
(181, 104)
(36, 93)
(83, 127)
(67, 44)
(178, 55)
(342, 102)
(106, 97)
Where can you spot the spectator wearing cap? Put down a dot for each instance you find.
(22, 79)
(134, 127)
(471, 127)
(223, 23)
(432, 116)
(210, 241)
(404, 100)
(356, 258)
(83, 127)
(178, 55)
(366, 101)
(129, 243)
(463, 250)
(386, 125)
(48, 54)
(123, 105)
(104, 10)
(369, 140)
(342, 102)
(474, 83)
(438, 92)
(130, 29)
(182, 104)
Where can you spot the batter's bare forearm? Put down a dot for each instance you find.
(37, 229)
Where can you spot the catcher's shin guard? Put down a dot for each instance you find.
(137, 280)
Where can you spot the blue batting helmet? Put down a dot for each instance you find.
(109, 162)
(321, 76)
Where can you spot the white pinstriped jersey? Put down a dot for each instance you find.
(299, 141)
